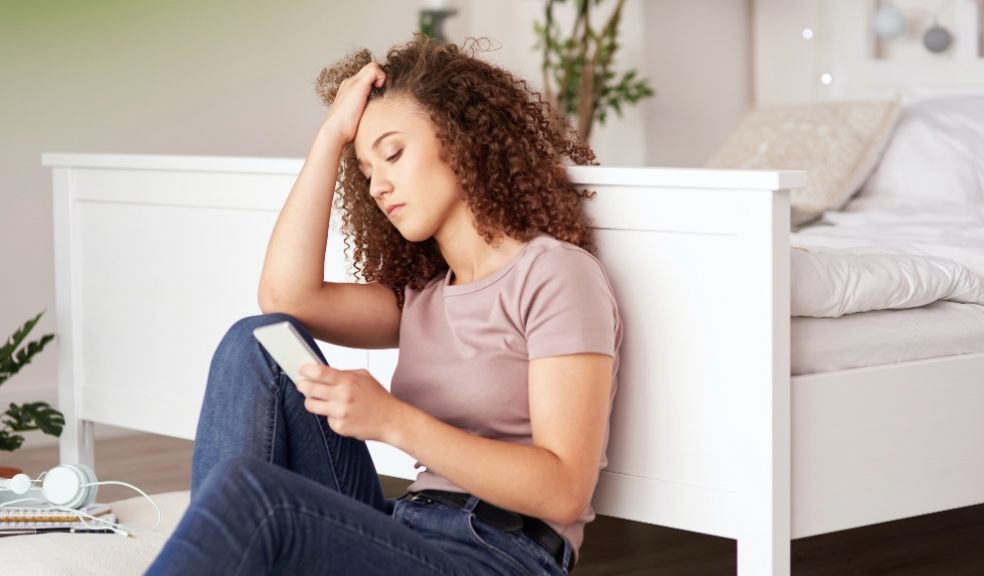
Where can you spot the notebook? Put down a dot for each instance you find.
(35, 520)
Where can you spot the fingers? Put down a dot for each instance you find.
(317, 371)
(316, 389)
(326, 408)
(345, 112)
(318, 378)
(372, 73)
(379, 75)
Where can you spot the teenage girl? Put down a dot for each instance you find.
(475, 260)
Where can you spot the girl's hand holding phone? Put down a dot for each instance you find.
(354, 402)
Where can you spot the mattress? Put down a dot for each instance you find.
(885, 337)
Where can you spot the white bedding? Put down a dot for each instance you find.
(882, 254)
(879, 254)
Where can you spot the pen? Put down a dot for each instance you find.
(18, 532)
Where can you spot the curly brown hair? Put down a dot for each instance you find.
(506, 146)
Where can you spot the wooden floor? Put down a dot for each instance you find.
(944, 544)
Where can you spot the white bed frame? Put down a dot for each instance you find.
(156, 256)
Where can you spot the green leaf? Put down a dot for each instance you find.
(10, 442)
(34, 416)
(11, 359)
(427, 24)
(18, 337)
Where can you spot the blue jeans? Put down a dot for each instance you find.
(275, 491)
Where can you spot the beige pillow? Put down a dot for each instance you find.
(837, 143)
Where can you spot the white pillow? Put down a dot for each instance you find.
(837, 143)
(935, 155)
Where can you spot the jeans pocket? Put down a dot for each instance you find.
(496, 542)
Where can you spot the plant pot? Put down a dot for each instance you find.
(7, 472)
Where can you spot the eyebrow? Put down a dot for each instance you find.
(378, 140)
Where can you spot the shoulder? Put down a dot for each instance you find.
(567, 304)
(555, 271)
(550, 259)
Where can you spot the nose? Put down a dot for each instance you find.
(379, 185)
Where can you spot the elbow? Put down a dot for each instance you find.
(273, 296)
(265, 301)
(569, 508)
(575, 487)
(268, 302)
(569, 513)
(264, 297)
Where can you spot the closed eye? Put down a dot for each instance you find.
(393, 158)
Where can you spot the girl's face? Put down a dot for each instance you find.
(398, 152)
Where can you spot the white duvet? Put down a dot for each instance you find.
(878, 255)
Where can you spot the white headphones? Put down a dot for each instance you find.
(68, 485)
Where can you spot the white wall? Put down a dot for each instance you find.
(788, 67)
(699, 59)
(225, 77)
(790, 64)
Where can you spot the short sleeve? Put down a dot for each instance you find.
(568, 306)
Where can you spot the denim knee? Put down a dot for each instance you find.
(239, 489)
(230, 474)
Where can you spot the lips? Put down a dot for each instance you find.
(391, 209)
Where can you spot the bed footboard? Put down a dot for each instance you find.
(700, 436)
(700, 430)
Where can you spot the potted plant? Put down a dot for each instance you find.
(30, 416)
(578, 79)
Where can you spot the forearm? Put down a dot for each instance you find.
(295, 259)
(525, 479)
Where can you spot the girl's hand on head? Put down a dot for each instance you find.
(346, 111)
(354, 402)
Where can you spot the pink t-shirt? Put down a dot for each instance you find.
(465, 349)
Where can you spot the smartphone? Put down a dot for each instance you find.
(287, 347)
